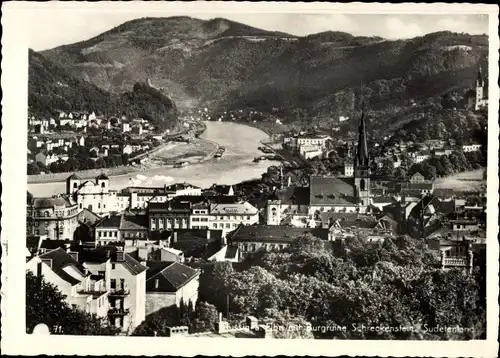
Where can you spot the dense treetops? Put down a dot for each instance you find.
(391, 284)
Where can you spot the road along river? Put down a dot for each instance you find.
(235, 166)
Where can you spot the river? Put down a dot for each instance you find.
(235, 166)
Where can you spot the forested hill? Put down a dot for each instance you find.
(52, 89)
(225, 64)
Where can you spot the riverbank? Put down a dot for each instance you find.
(235, 166)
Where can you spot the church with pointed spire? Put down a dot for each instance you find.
(362, 167)
(477, 98)
(326, 194)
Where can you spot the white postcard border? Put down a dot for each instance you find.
(14, 178)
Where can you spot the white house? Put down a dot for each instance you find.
(63, 270)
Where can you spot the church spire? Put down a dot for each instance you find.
(480, 80)
(362, 152)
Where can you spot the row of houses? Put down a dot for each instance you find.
(110, 283)
(83, 121)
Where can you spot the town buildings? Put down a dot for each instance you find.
(308, 146)
(170, 283)
(81, 289)
(337, 194)
(56, 217)
(249, 239)
(189, 212)
(126, 280)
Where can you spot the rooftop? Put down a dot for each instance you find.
(233, 208)
(171, 277)
(294, 195)
(331, 191)
(274, 233)
(48, 203)
(60, 260)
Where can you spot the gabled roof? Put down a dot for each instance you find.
(194, 242)
(60, 260)
(112, 222)
(88, 217)
(331, 191)
(48, 203)
(134, 222)
(244, 208)
(131, 264)
(274, 233)
(294, 195)
(171, 278)
(231, 252)
(325, 217)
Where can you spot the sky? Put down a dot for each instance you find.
(52, 28)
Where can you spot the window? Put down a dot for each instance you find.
(81, 206)
(122, 283)
(228, 226)
(103, 185)
(113, 266)
(105, 233)
(248, 217)
(116, 233)
(75, 185)
(113, 283)
(98, 205)
(214, 226)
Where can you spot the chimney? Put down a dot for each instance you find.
(39, 269)
(74, 255)
(175, 236)
(208, 234)
(157, 281)
(120, 256)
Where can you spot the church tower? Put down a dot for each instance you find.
(479, 90)
(362, 167)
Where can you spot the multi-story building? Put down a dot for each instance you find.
(121, 228)
(81, 289)
(125, 278)
(249, 239)
(56, 217)
(228, 216)
(200, 212)
(92, 195)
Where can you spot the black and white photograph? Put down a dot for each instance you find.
(288, 175)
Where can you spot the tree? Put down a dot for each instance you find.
(204, 318)
(159, 322)
(46, 304)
